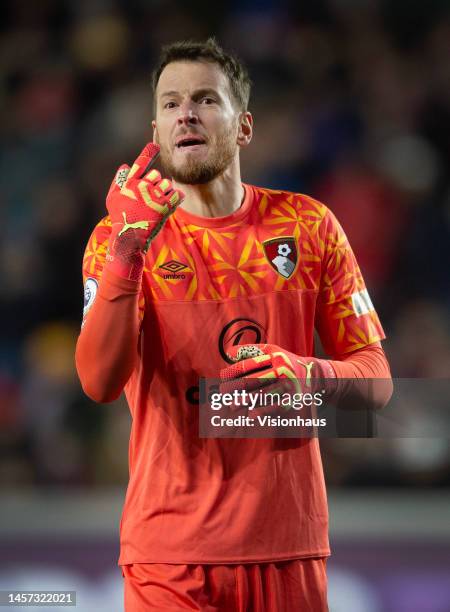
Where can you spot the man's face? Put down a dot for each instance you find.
(196, 123)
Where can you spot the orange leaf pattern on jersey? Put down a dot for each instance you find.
(95, 253)
(95, 256)
(222, 262)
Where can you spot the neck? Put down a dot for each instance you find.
(218, 198)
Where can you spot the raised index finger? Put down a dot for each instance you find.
(145, 160)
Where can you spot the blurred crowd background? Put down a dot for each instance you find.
(351, 102)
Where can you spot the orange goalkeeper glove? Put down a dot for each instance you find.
(262, 365)
(139, 202)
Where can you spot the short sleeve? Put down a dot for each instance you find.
(93, 263)
(345, 317)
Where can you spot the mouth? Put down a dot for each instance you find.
(189, 143)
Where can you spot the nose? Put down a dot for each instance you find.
(187, 115)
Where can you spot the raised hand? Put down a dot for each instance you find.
(139, 202)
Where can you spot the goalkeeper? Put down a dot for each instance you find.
(181, 271)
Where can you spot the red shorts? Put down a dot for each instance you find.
(287, 586)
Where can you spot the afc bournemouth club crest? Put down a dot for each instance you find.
(282, 254)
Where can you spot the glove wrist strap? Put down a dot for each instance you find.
(131, 269)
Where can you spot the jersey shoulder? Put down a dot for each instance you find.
(278, 202)
(95, 251)
(298, 212)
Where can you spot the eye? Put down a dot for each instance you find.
(207, 100)
(170, 104)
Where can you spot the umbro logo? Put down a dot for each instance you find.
(173, 268)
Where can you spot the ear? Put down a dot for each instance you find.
(245, 132)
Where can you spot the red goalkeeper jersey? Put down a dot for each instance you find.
(271, 272)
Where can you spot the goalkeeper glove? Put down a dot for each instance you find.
(139, 202)
(260, 365)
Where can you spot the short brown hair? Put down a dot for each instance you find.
(208, 51)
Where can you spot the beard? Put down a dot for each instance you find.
(196, 172)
